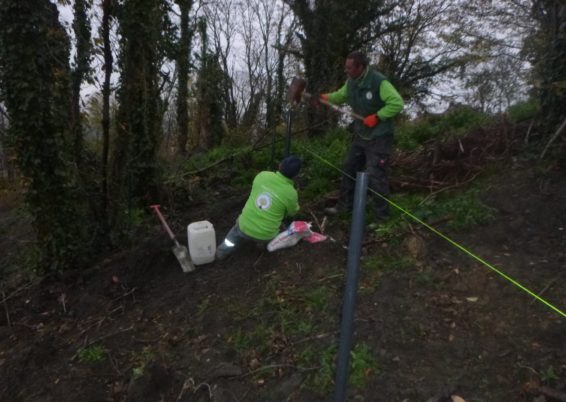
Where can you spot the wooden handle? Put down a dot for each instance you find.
(334, 107)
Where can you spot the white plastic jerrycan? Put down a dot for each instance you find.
(202, 242)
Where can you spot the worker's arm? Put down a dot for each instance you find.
(393, 101)
(338, 97)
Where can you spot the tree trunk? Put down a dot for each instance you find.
(108, 66)
(183, 68)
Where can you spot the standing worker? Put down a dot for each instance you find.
(369, 94)
(273, 198)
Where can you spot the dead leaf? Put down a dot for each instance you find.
(254, 363)
(456, 398)
(415, 246)
(472, 299)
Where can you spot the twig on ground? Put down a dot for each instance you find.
(129, 292)
(120, 307)
(320, 227)
(258, 258)
(432, 194)
(114, 364)
(548, 286)
(274, 366)
(310, 338)
(15, 292)
(323, 224)
(61, 299)
(5, 303)
(552, 393)
(98, 322)
(327, 278)
(141, 340)
(411, 229)
(110, 335)
(189, 383)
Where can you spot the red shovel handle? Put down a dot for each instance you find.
(162, 219)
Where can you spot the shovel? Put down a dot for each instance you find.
(180, 252)
(296, 92)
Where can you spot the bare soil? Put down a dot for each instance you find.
(254, 327)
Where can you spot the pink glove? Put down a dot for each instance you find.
(371, 120)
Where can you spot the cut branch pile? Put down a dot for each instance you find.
(453, 162)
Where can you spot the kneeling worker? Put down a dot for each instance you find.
(273, 198)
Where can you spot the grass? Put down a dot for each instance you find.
(296, 314)
(288, 312)
(317, 299)
(462, 211)
(465, 210)
(140, 360)
(282, 325)
(91, 354)
(386, 262)
(320, 175)
(549, 374)
(362, 366)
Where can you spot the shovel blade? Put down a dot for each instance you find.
(182, 255)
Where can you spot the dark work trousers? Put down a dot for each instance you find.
(371, 156)
(234, 240)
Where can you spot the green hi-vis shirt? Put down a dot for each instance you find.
(273, 197)
(371, 93)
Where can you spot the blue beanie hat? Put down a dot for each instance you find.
(290, 166)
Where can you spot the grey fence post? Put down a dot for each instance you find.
(348, 307)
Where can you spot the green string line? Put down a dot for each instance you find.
(452, 242)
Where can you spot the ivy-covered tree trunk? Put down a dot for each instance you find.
(107, 12)
(81, 29)
(34, 73)
(211, 87)
(550, 63)
(210, 108)
(184, 47)
(138, 120)
(284, 40)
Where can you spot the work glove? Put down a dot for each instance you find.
(371, 120)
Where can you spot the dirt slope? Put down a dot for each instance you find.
(256, 327)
